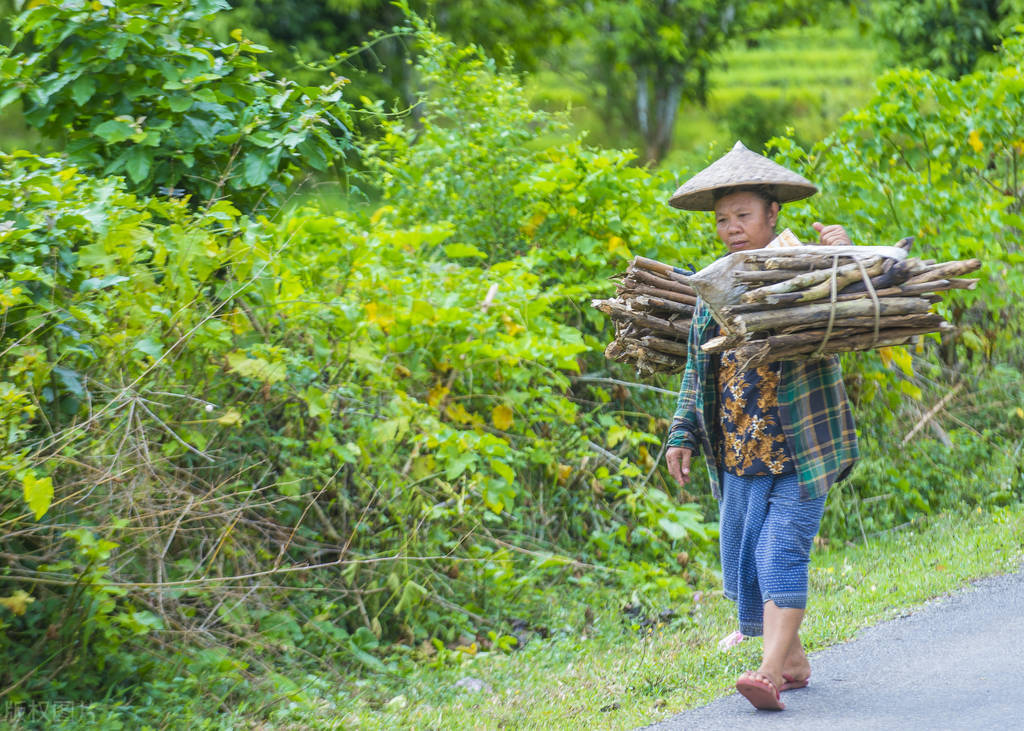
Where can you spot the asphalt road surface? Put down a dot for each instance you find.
(957, 663)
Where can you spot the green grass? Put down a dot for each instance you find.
(607, 675)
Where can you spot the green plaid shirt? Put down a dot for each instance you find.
(813, 408)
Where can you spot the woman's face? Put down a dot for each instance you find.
(745, 221)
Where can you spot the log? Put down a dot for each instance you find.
(660, 293)
(762, 351)
(665, 346)
(818, 284)
(808, 314)
(665, 270)
(638, 277)
(646, 301)
(928, 319)
(946, 270)
(778, 275)
(619, 311)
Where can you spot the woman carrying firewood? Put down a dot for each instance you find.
(775, 437)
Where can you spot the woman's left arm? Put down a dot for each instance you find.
(832, 235)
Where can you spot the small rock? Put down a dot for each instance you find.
(473, 685)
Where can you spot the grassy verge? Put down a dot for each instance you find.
(601, 674)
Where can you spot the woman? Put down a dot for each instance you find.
(775, 438)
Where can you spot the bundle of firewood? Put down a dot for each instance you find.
(809, 301)
(781, 302)
(652, 310)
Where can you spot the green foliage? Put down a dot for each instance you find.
(386, 394)
(946, 36)
(139, 88)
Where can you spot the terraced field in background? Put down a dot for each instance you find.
(811, 75)
(806, 78)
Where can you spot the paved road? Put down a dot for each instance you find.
(958, 663)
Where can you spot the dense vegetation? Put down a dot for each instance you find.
(257, 438)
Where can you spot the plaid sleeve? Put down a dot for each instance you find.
(683, 432)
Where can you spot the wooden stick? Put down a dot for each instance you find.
(665, 346)
(619, 311)
(945, 270)
(754, 321)
(844, 275)
(929, 319)
(761, 351)
(661, 293)
(758, 275)
(932, 412)
(665, 270)
(638, 276)
(646, 301)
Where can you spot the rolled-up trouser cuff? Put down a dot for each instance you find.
(787, 601)
(751, 629)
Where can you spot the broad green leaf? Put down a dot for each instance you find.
(258, 168)
(457, 251)
(83, 89)
(138, 163)
(114, 130)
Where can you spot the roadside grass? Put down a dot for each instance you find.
(609, 675)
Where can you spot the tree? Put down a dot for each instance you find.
(654, 56)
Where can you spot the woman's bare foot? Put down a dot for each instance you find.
(796, 671)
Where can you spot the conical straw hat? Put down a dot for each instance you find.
(740, 167)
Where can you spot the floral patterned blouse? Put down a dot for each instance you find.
(754, 443)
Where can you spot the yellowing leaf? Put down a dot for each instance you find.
(974, 140)
(458, 413)
(379, 315)
(512, 327)
(502, 417)
(379, 214)
(38, 493)
(901, 357)
(17, 602)
(437, 393)
(231, 418)
(534, 223)
(617, 246)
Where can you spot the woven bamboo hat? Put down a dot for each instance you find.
(740, 167)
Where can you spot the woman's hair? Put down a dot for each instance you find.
(764, 192)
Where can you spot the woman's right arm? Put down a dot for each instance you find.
(682, 434)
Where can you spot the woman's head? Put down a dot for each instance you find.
(745, 217)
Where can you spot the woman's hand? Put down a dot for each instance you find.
(833, 235)
(678, 461)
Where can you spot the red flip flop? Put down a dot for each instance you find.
(792, 684)
(761, 692)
